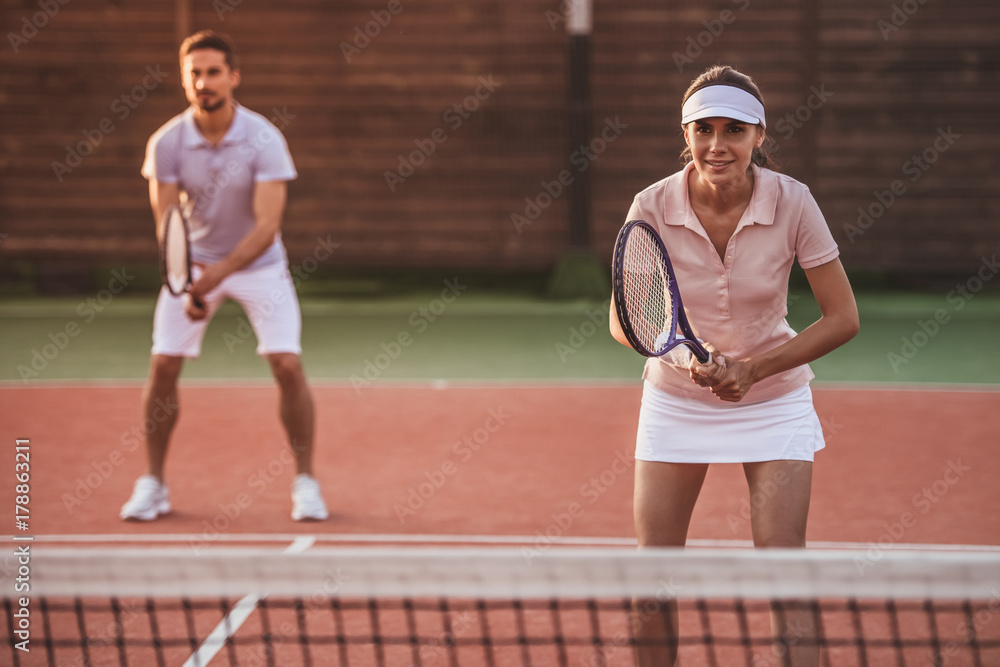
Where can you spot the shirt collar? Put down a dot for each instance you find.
(760, 210)
(237, 132)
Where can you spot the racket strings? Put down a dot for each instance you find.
(647, 289)
(175, 256)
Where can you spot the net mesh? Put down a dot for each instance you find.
(526, 606)
(175, 252)
(647, 290)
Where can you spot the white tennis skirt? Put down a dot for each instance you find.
(674, 429)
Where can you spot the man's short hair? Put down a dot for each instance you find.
(209, 39)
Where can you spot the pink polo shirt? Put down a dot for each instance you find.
(739, 304)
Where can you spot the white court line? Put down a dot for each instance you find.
(484, 383)
(857, 385)
(238, 615)
(417, 539)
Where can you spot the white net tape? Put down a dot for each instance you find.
(467, 572)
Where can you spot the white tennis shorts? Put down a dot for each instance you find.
(268, 297)
(674, 429)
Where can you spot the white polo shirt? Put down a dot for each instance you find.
(218, 181)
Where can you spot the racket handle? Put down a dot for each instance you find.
(199, 304)
(697, 349)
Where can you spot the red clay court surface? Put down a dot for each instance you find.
(395, 459)
(490, 460)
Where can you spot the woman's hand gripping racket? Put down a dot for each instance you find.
(647, 299)
(175, 253)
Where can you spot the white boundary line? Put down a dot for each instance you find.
(854, 385)
(238, 615)
(474, 383)
(417, 539)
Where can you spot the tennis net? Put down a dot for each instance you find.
(500, 606)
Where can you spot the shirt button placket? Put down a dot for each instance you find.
(724, 289)
(723, 280)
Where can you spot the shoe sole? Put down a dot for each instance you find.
(151, 515)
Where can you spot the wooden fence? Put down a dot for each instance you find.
(421, 128)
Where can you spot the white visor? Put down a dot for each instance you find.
(723, 101)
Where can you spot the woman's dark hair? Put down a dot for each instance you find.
(724, 74)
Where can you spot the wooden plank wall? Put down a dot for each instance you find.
(891, 94)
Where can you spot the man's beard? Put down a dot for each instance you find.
(208, 105)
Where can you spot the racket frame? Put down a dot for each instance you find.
(168, 217)
(679, 316)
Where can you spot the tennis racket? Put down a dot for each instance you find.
(647, 298)
(175, 252)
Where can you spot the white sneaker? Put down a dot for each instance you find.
(150, 498)
(307, 503)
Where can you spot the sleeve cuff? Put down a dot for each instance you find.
(819, 261)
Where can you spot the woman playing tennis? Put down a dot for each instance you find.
(733, 226)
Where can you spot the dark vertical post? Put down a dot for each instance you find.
(810, 77)
(579, 25)
(182, 24)
(580, 273)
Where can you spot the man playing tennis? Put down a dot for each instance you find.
(229, 167)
